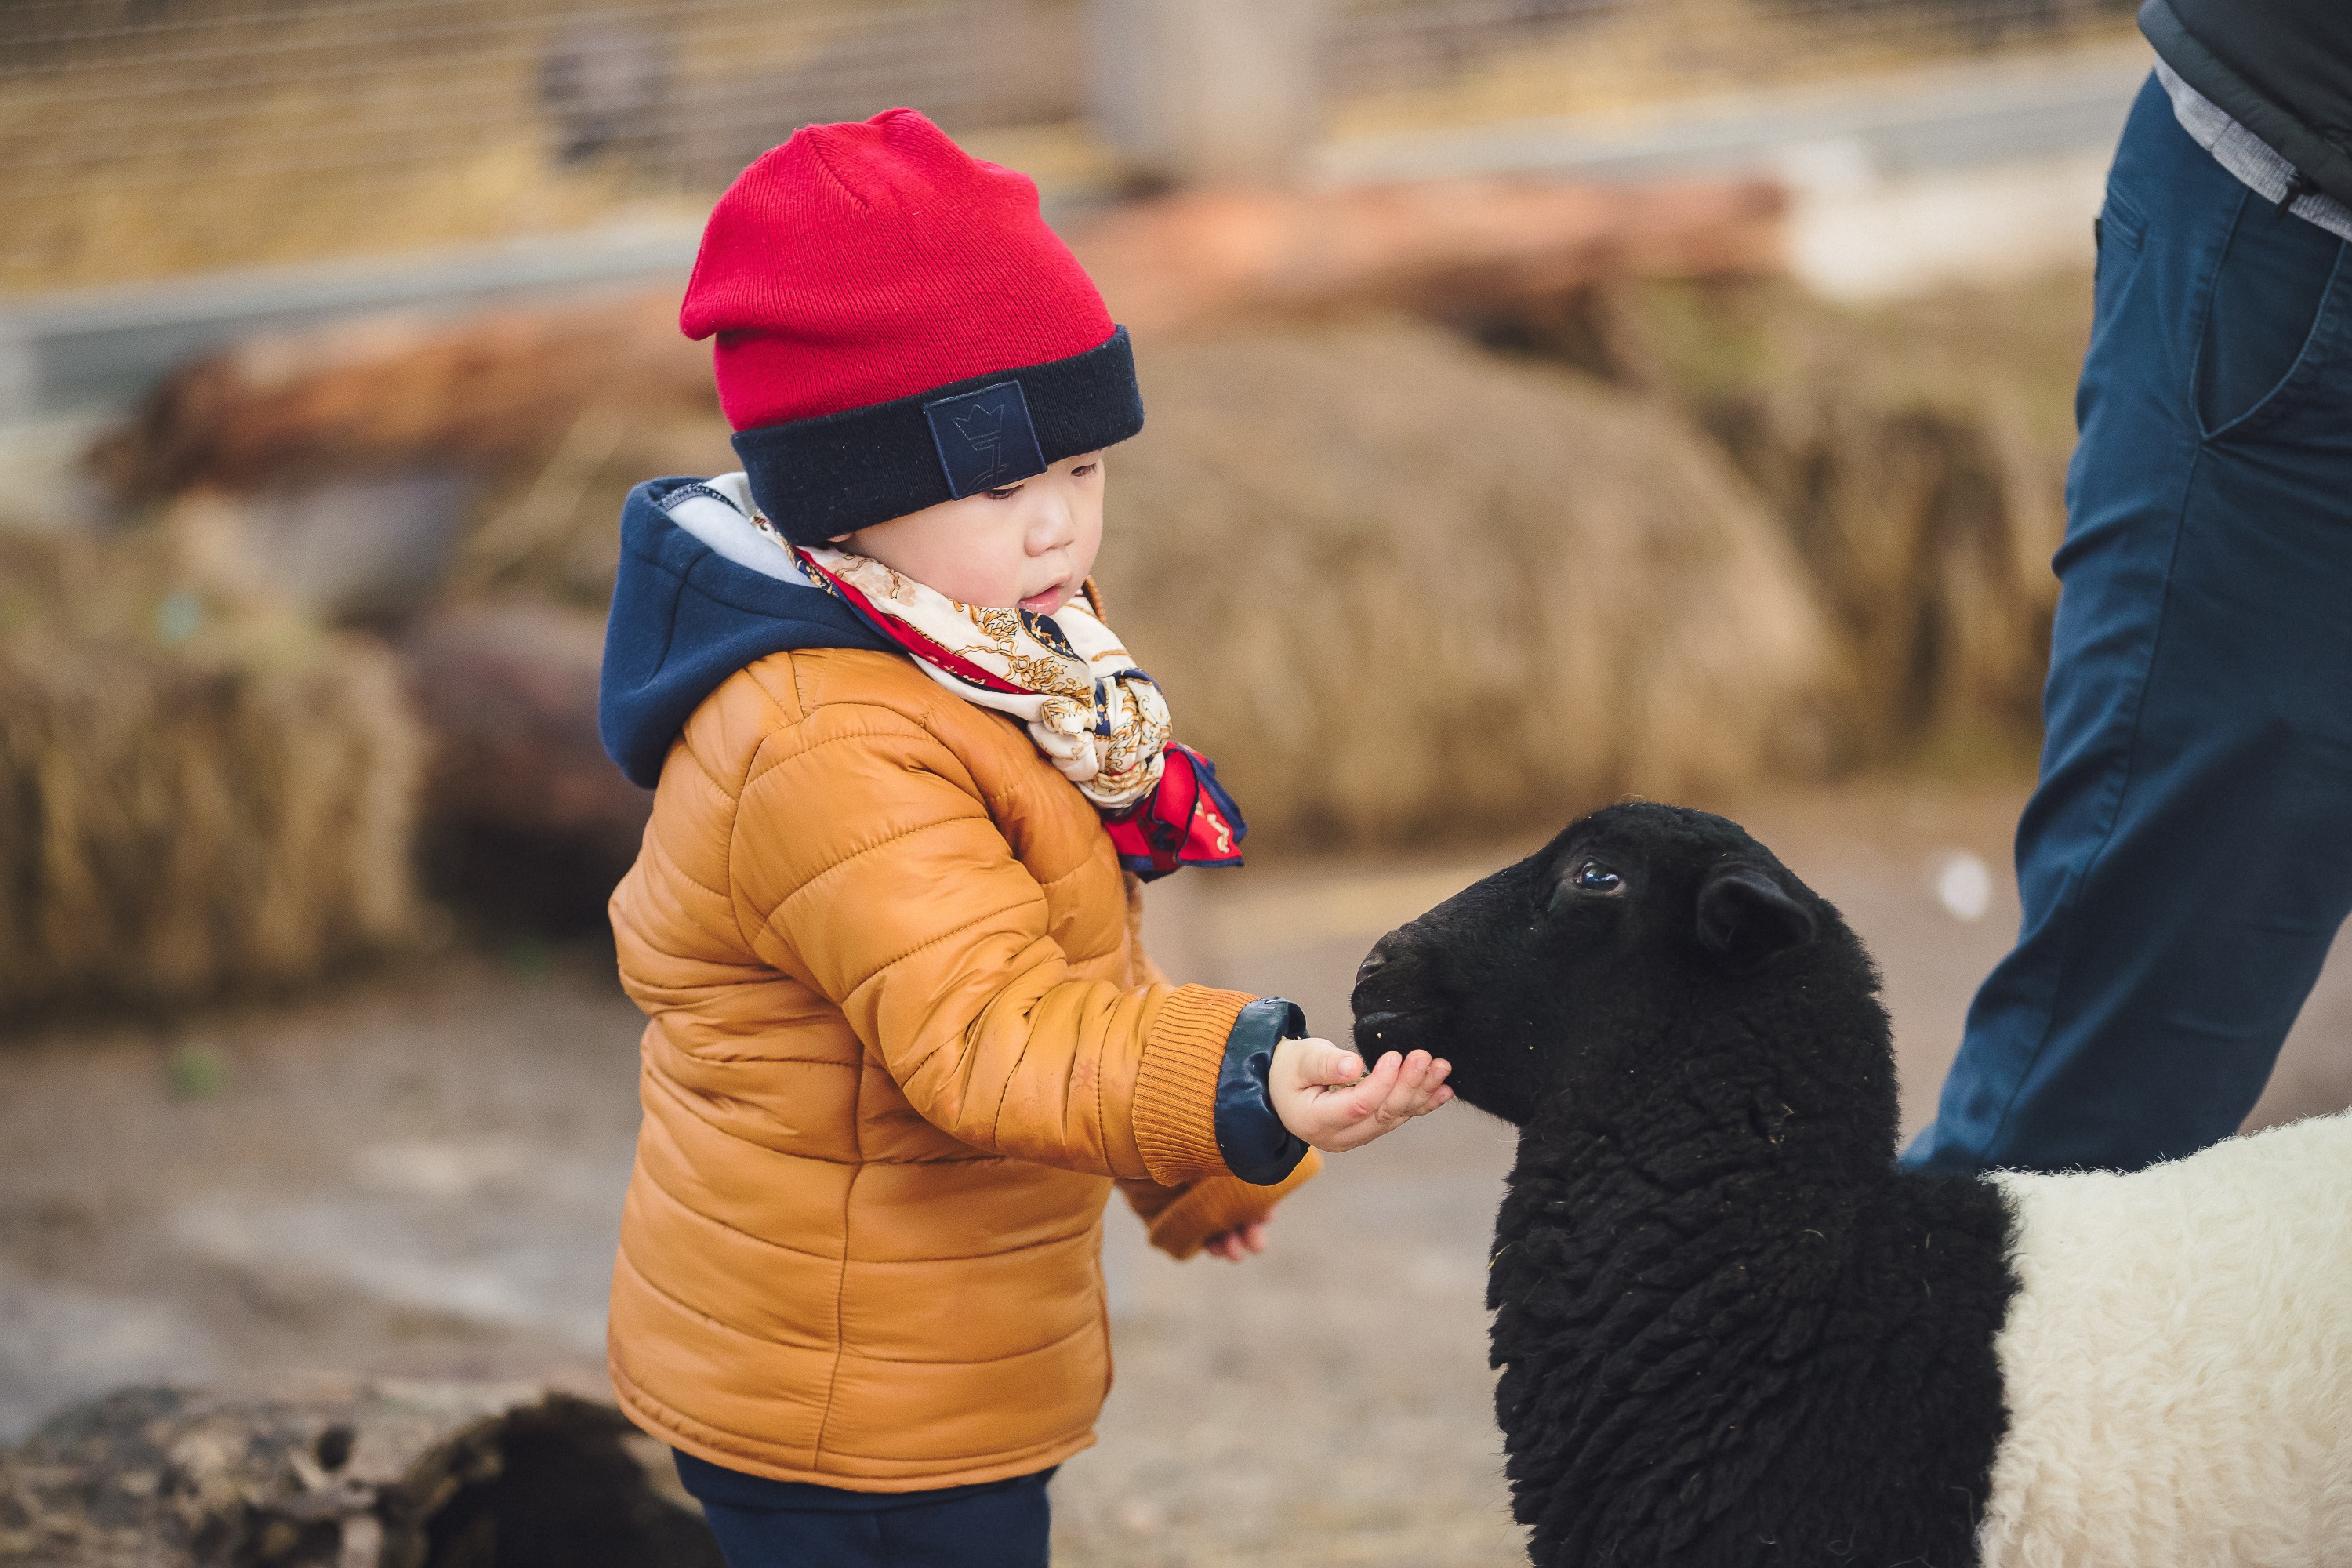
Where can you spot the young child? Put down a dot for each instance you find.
(903, 1040)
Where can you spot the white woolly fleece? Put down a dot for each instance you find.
(2177, 1362)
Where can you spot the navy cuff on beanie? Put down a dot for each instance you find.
(821, 477)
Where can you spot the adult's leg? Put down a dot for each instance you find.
(2187, 856)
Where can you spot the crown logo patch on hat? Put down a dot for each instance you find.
(985, 438)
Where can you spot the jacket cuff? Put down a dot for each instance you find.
(1176, 1084)
(1221, 1203)
(1257, 1146)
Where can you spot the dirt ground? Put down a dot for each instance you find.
(420, 1175)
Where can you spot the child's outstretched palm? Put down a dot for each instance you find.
(1324, 1095)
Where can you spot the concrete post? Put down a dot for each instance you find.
(1208, 92)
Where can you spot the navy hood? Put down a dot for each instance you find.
(685, 617)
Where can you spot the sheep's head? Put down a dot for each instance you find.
(1640, 931)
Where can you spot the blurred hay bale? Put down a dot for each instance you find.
(1400, 587)
(1915, 455)
(187, 805)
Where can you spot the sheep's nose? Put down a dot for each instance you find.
(1374, 961)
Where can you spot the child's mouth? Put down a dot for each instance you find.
(1046, 603)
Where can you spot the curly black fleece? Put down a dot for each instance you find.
(1730, 1332)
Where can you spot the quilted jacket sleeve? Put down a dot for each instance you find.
(865, 864)
(1180, 1219)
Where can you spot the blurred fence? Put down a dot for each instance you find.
(1388, 44)
(141, 138)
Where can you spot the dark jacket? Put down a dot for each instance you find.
(2282, 68)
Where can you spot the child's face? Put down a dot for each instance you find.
(1029, 545)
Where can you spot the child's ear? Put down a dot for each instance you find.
(1744, 917)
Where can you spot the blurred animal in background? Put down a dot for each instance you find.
(1732, 1333)
(606, 88)
(970, 63)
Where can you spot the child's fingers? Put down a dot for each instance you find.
(1417, 1090)
(1348, 1104)
(1368, 1088)
(1325, 1064)
(1400, 1089)
(1350, 1117)
(1238, 1243)
(1407, 1098)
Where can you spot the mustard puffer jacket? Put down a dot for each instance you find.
(902, 1041)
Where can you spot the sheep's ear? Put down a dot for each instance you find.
(1746, 916)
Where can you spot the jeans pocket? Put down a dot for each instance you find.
(2120, 224)
(2116, 235)
(2267, 303)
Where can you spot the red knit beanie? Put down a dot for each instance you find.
(896, 326)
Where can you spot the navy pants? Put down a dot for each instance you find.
(762, 1524)
(2187, 856)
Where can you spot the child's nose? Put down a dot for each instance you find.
(1056, 526)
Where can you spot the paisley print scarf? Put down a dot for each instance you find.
(1093, 714)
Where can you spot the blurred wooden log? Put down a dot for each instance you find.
(525, 819)
(367, 1475)
(508, 693)
(403, 394)
(1444, 248)
(494, 389)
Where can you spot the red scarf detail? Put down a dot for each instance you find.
(1188, 819)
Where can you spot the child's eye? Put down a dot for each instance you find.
(1004, 492)
(1082, 469)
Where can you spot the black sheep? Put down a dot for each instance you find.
(1731, 1333)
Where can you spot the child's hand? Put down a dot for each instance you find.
(1238, 1243)
(1323, 1094)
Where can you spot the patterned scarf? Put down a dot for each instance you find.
(1095, 717)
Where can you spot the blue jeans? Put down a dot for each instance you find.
(762, 1524)
(2187, 856)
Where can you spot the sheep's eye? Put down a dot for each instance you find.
(1595, 878)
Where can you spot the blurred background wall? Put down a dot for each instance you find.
(151, 138)
(1549, 399)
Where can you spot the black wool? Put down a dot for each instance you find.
(1730, 1332)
